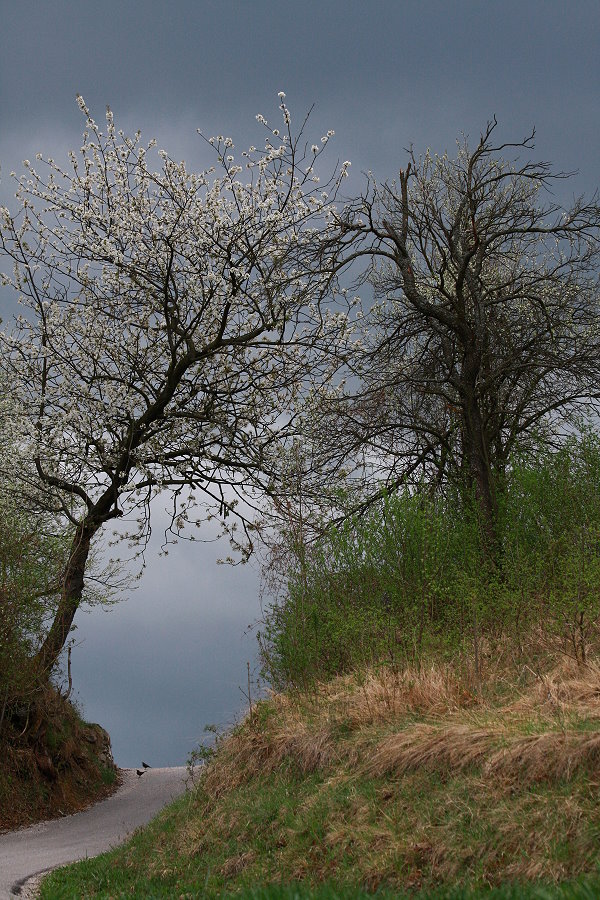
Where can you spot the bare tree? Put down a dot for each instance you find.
(170, 321)
(485, 333)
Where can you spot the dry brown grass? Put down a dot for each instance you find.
(415, 778)
(303, 728)
(251, 751)
(367, 723)
(236, 864)
(384, 695)
(544, 757)
(566, 685)
(431, 747)
(550, 756)
(567, 692)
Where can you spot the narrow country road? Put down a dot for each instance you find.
(26, 852)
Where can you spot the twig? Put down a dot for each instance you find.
(70, 680)
(249, 695)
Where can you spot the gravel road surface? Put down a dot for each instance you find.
(36, 849)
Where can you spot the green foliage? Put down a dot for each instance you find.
(348, 595)
(33, 552)
(413, 576)
(29, 557)
(550, 520)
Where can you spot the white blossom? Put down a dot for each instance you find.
(170, 320)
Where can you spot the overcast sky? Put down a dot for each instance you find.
(383, 74)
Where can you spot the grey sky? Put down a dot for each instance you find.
(383, 74)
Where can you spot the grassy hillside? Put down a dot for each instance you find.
(469, 762)
(384, 782)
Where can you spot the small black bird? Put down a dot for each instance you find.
(139, 773)
(145, 765)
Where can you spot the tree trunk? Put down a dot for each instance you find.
(72, 584)
(477, 465)
(481, 480)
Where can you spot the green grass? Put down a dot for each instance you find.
(155, 864)
(67, 885)
(289, 806)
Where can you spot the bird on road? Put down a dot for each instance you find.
(140, 773)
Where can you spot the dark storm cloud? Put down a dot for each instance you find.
(383, 74)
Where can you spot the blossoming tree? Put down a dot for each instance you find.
(170, 319)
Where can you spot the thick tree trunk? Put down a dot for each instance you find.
(476, 460)
(480, 476)
(70, 597)
(481, 479)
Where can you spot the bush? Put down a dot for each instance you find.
(413, 577)
(550, 521)
(29, 557)
(381, 586)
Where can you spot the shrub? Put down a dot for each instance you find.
(412, 577)
(29, 557)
